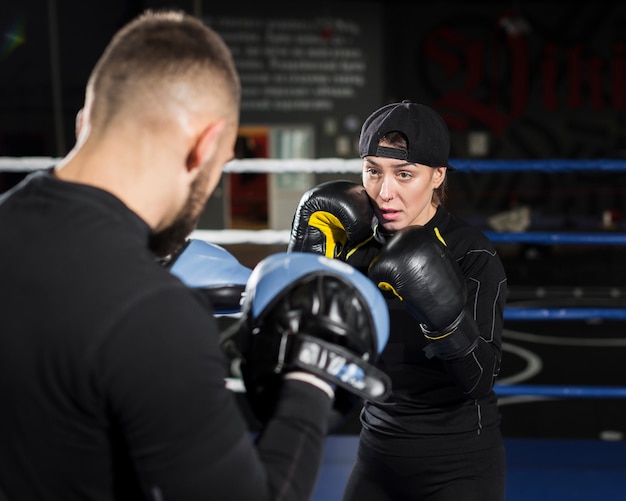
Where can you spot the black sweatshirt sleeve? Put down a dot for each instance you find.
(476, 372)
(162, 373)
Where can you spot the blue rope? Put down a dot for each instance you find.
(561, 391)
(519, 313)
(547, 238)
(547, 166)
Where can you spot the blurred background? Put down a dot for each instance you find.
(515, 80)
(519, 80)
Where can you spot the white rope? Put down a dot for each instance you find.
(26, 164)
(229, 237)
(266, 165)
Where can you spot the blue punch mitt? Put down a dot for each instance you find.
(306, 312)
(214, 270)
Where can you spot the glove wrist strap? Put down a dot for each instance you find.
(454, 342)
(338, 366)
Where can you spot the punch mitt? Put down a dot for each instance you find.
(305, 312)
(213, 270)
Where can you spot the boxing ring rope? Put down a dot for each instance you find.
(525, 313)
(279, 237)
(354, 166)
(505, 390)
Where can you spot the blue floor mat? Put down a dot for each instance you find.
(537, 469)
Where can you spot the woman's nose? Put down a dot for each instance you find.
(386, 190)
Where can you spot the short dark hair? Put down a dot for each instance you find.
(157, 49)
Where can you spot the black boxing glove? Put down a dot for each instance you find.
(417, 267)
(333, 219)
(306, 314)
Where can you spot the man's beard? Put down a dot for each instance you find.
(170, 239)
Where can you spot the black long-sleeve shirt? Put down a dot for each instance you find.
(438, 406)
(111, 374)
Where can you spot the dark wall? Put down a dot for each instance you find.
(514, 80)
(543, 79)
(43, 76)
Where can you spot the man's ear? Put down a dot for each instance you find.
(205, 145)
(78, 122)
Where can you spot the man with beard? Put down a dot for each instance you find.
(112, 379)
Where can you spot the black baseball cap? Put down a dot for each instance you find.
(426, 132)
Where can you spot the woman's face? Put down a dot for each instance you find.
(402, 192)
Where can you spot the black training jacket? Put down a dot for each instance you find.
(439, 406)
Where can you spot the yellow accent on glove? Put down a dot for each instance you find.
(386, 287)
(435, 338)
(332, 229)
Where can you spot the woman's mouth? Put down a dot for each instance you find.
(389, 214)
